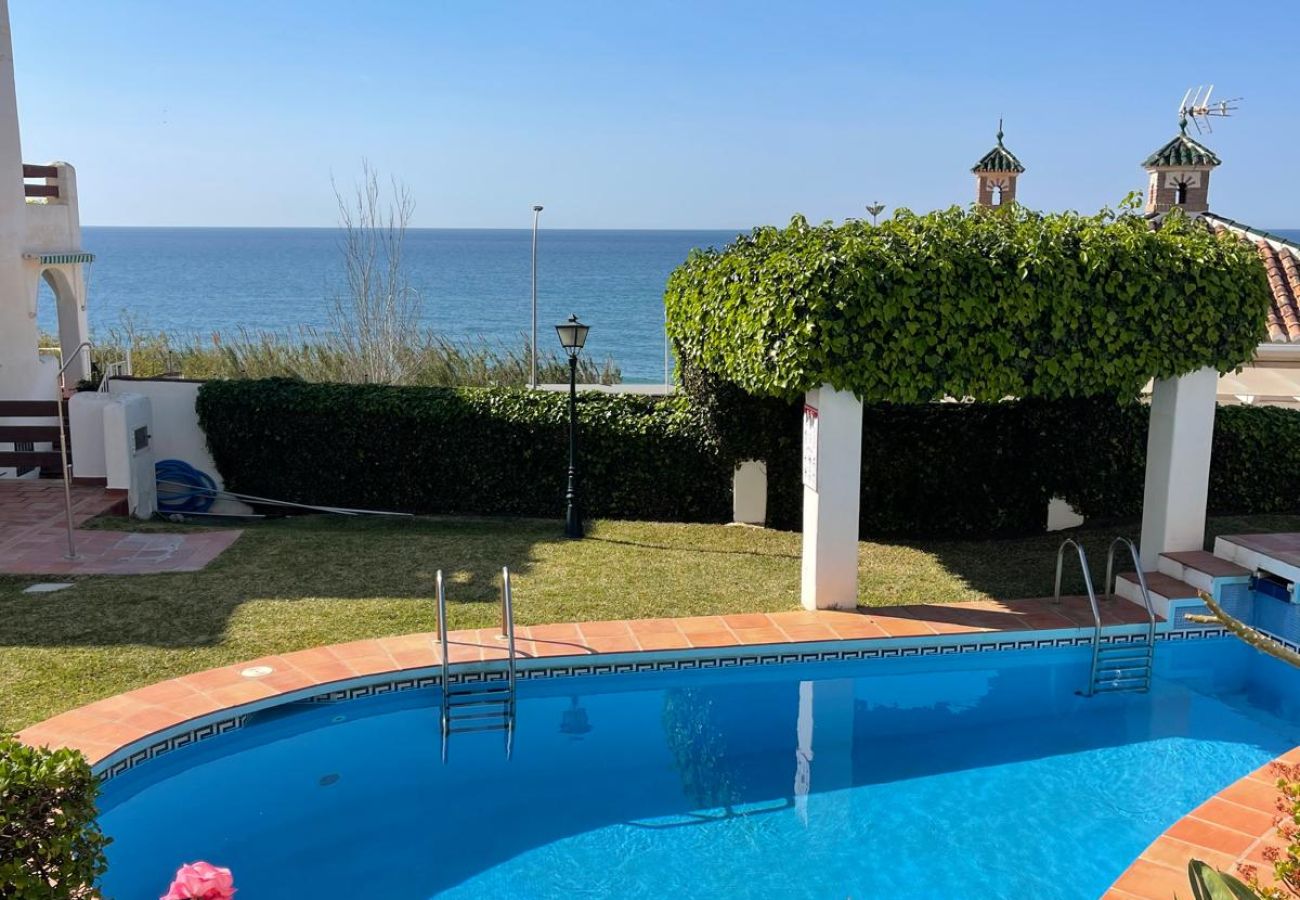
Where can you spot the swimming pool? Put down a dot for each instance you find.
(977, 774)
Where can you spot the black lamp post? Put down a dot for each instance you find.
(573, 334)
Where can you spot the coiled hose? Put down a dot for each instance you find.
(183, 488)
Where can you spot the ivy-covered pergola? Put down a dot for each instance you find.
(975, 305)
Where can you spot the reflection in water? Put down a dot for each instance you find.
(574, 721)
(698, 746)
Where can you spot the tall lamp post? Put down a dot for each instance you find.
(537, 211)
(573, 334)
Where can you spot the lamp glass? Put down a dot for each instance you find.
(573, 335)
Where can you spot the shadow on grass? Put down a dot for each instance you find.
(721, 551)
(1026, 567)
(285, 561)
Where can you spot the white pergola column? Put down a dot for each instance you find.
(832, 472)
(1179, 440)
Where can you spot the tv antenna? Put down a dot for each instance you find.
(875, 209)
(1200, 110)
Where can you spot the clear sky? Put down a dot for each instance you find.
(648, 114)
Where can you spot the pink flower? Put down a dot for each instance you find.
(201, 881)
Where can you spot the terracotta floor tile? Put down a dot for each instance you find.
(561, 648)
(1150, 880)
(331, 670)
(352, 649)
(799, 617)
(558, 632)
(1175, 854)
(663, 640)
(1251, 793)
(459, 652)
(654, 626)
(1213, 837)
(768, 635)
(236, 694)
(613, 643)
(1238, 818)
(713, 639)
(619, 627)
(800, 633)
(898, 626)
(704, 624)
(858, 627)
(369, 665)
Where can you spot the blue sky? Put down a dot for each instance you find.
(648, 114)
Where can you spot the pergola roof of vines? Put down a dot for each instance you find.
(979, 304)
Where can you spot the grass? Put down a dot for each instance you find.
(291, 584)
(322, 355)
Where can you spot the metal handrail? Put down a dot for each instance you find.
(442, 642)
(1092, 598)
(65, 465)
(1141, 577)
(508, 625)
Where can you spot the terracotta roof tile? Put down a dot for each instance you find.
(1281, 261)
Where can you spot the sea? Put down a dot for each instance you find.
(474, 284)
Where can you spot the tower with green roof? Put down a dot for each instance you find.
(1179, 175)
(996, 174)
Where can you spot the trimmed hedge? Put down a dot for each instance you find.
(971, 469)
(940, 469)
(473, 451)
(979, 304)
(51, 847)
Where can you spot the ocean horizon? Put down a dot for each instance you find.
(474, 283)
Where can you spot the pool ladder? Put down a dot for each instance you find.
(486, 704)
(1124, 665)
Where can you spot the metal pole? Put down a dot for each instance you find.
(573, 521)
(62, 410)
(67, 466)
(536, 212)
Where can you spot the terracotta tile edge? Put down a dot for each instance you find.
(105, 728)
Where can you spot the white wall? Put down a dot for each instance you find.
(176, 432)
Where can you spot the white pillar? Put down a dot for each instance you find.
(832, 473)
(1179, 440)
(19, 370)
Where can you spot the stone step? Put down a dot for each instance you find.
(1163, 588)
(1199, 568)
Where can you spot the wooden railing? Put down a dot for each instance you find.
(40, 190)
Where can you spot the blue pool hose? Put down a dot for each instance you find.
(183, 488)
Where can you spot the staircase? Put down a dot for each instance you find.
(50, 462)
(486, 704)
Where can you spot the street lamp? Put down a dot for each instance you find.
(537, 210)
(573, 334)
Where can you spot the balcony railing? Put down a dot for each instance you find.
(48, 189)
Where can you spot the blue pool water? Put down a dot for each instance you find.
(978, 775)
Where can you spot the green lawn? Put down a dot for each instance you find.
(290, 584)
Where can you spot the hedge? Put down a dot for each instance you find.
(475, 451)
(941, 469)
(979, 304)
(51, 847)
(971, 469)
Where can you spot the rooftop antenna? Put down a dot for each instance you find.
(1200, 110)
